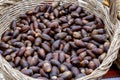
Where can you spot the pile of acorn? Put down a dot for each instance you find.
(56, 42)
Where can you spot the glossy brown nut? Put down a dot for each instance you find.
(88, 58)
(79, 43)
(60, 35)
(46, 15)
(79, 10)
(69, 31)
(55, 4)
(54, 72)
(56, 44)
(17, 61)
(29, 51)
(72, 7)
(88, 71)
(63, 19)
(46, 31)
(81, 50)
(8, 58)
(66, 75)
(91, 46)
(68, 38)
(47, 67)
(84, 21)
(27, 71)
(45, 37)
(24, 63)
(46, 47)
(55, 55)
(67, 48)
(35, 69)
(24, 36)
(74, 14)
(25, 28)
(33, 61)
(25, 22)
(62, 12)
(41, 26)
(73, 53)
(55, 62)
(95, 43)
(73, 45)
(43, 73)
(18, 44)
(35, 25)
(48, 56)
(78, 21)
(71, 21)
(75, 61)
(91, 65)
(75, 71)
(89, 17)
(65, 25)
(63, 68)
(31, 32)
(66, 5)
(86, 39)
(13, 24)
(21, 51)
(83, 54)
(106, 45)
(54, 24)
(56, 12)
(91, 25)
(97, 51)
(23, 16)
(36, 75)
(90, 53)
(97, 62)
(84, 63)
(62, 57)
(99, 38)
(69, 65)
(31, 38)
(76, 35)
(75, 28)
(38, 41)
(51, 16)
(8, 52)
(88, 28)
(6, 38)
(84, 33)
(82, 70)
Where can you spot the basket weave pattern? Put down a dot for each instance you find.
(93, 6)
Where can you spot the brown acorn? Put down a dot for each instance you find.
(46, 47)
(79, 43)
(47, 67)
(66, 75)
(60, 35)
(99, 38)
(55, 62)
(27, 71)
(35, 69)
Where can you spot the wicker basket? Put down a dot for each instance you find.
(93, 6)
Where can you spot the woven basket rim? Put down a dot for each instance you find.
(101, 70)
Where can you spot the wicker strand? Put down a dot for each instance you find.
(93, 6)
